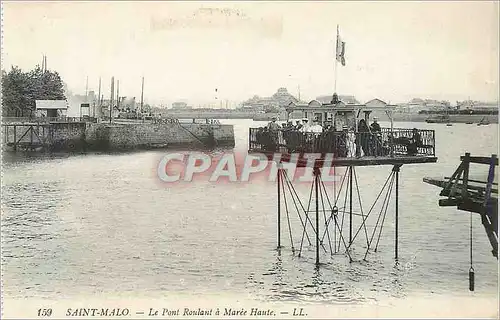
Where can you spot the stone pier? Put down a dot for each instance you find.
(74, 136)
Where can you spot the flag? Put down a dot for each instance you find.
(340, 49)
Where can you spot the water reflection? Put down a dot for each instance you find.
(84, 224)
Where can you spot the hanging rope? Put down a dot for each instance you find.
(471, 269)
(471, 240)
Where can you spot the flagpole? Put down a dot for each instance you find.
(336, 61)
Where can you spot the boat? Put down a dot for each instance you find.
(483, 122)
(442, 118)
(469, 122)
(449, 124)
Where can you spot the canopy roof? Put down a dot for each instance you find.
(315, 105)
(51, 104)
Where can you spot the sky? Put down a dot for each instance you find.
(395, 51)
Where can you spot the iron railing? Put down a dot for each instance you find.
(398, 142)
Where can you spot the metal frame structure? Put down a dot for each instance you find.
(330, 220)
(394, 149)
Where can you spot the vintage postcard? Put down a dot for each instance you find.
(249, 160)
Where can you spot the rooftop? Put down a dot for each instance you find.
(51, 104)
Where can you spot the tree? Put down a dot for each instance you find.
(21, 89)
(15, 96)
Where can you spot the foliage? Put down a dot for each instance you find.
(21, 89)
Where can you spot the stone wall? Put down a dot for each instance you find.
(147, 136)
(67, 136)
(76, 136)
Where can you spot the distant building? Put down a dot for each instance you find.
(280, 99)
(427, 104)
(476, 105)
(180, 106)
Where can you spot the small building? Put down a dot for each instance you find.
(339, 114)
(51, 108)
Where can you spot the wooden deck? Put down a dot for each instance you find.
(473, 195)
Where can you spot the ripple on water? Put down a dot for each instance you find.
(103, 223)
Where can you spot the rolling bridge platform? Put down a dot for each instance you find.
(336, 219)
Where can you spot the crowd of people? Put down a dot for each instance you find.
(316, 127)
(305, 137)
(368, 140)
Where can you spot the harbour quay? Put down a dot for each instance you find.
(86, 134)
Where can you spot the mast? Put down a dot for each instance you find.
(99, 98)
(118, 94)
(111, 100)
(142, 94)
(87, 87)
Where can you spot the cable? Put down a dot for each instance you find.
(288, 219)
(471, 241)
(290, 187)
(471, 269)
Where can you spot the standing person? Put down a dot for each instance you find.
(351, 143)
(376, 138)
(362, 139)
(305, 127)
(414, 142)
(315, 138)
(273, 128)
(298, 125)
(316, 128)
(375, 127)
